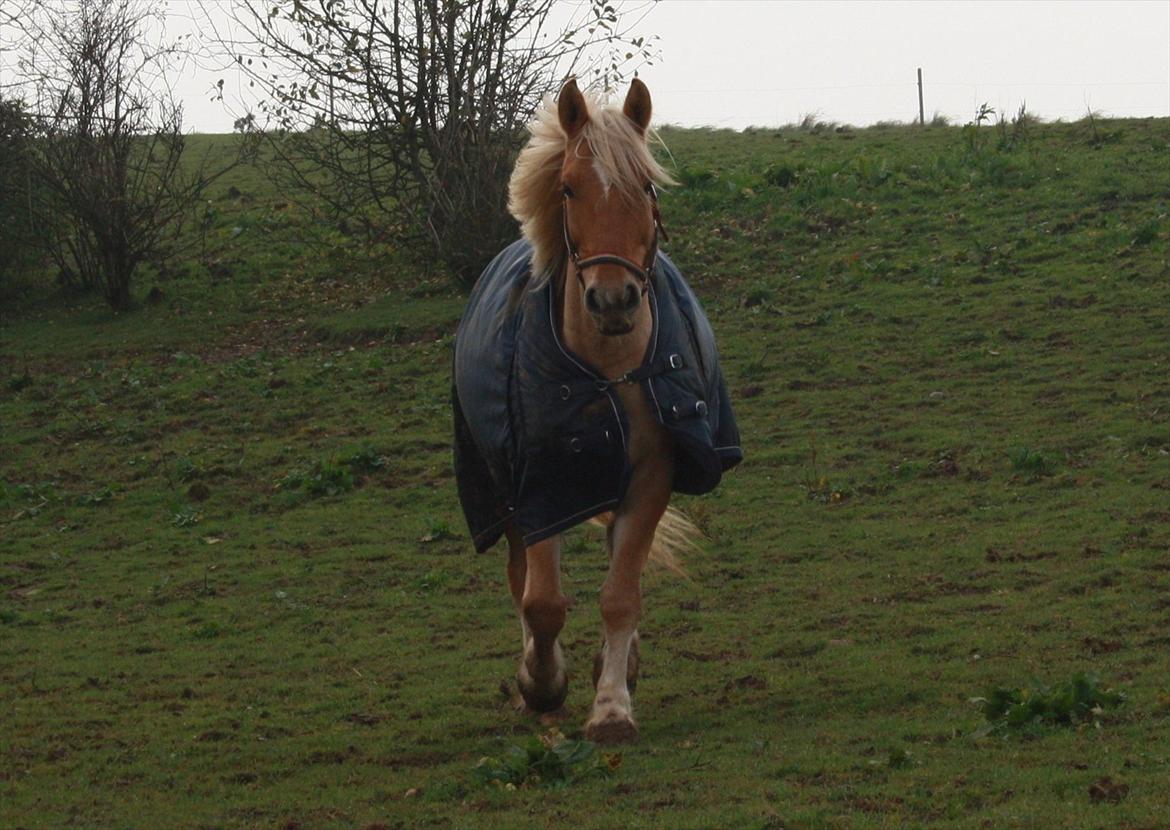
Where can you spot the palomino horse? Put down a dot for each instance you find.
(587, 387)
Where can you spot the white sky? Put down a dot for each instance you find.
(736, 63)
(741, 63)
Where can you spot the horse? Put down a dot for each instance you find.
(586, 387)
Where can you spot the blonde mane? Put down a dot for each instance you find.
(534, 192)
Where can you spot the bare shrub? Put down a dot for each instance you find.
(405, 117)
(110, 141)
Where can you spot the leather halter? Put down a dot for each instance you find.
(643, 273)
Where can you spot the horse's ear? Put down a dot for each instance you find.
(637, 106)
(571, 108)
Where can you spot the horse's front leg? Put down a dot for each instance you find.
(630, 536)
(534, 578)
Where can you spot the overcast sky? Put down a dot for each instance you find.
(736, 63)
(767, 63)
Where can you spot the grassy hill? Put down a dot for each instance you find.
(235, 588)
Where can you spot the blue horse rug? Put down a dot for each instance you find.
(540, 436)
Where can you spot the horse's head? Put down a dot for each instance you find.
(610, 209)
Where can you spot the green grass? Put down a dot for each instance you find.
(950, 366)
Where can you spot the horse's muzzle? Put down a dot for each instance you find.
(612, 308)
(614, 326)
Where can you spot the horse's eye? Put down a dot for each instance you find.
(650, 191)
(568, 191)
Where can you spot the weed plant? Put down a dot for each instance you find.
(1080, 700)
(548, 760)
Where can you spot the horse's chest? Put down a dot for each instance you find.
(646, 439)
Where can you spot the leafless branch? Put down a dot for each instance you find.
(110, 140)
(406, 114)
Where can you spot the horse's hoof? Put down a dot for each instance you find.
(542, 700)
(612, 731)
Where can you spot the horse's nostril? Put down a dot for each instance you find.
(633, 297)
(591, 301)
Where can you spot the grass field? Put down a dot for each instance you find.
(236, 592)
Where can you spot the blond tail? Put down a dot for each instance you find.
(675, 536)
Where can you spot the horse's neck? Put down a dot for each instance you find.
(612, 355)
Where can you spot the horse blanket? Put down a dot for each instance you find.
(540, 436)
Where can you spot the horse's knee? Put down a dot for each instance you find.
(545, 615)
(620, 606)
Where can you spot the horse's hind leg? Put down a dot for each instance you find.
(534, 578)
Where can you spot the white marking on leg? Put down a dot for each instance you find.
(612, 701)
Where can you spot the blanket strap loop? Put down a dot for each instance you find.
(659, 366)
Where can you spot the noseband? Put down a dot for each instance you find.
(642, 273)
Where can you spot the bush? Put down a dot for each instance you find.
(114, 188)
(18, 242)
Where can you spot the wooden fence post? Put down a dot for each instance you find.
(921, 111)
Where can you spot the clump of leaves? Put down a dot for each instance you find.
(363, 460)
(186, 516)
(549, 760)
(99, 496)
(755, 368)
(186, 469)
(1144, 235)
(432, 580)
(942, 465)
(321, 478)
(207, 631)
(780, 175)
(693, 176)
(820, 488)
(1031, 463)
(43, 492)
(35, 501)
(909, 470)
(18, 382)
(436, 530)
(972, 135)
(1079, 700)
(759, 295)
(898, 758)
